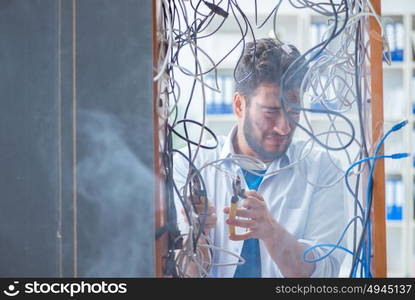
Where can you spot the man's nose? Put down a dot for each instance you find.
(282, 126)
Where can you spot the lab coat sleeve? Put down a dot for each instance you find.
(326, 221)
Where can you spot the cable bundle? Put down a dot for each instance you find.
(334, 87)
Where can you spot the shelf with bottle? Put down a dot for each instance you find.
(395, 33)
(394, 197)
(219, 101)
(318, 30)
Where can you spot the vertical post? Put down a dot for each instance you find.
(378, 208)
(160, 215)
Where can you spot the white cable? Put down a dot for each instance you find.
(170, 44)
(330, 80)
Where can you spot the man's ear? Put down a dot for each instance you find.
(239, 104)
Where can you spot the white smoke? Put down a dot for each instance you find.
(116, 234)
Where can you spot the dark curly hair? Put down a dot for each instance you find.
(272, 59)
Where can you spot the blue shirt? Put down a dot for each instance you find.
(250, 249)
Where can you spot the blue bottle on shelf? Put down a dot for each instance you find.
(398, 55)
(395, 35)
(394, 198)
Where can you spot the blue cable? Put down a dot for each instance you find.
(370, 183)
(364, 261)
(369, 193)
(334, 246)
(369, 190)
(365, 267)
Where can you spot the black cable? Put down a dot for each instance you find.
(188, 34)
(273, 11)
(363, 134)
(184, 121)
(320, 5)
(248, 25)
(302, 66)
(203, 216)
(216, 9)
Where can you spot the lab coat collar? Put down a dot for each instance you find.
(227, 148)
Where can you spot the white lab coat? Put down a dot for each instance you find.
(312, 215)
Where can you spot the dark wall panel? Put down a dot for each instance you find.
(76, 156)
(28, 138)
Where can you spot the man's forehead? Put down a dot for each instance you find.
(271, 90)
(273, 97)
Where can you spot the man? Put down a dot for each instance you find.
(282, 215)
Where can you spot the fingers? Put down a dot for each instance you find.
(242, 212)
(197, 200)
(254, 201)
(241, 237)
(202, 209)
(242, 223)
(254, 194)
(210, 221)
(207, 221)
(207, 214)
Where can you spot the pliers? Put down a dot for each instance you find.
(238, 192)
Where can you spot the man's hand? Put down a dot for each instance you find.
(260, 225)
(209, 213)
(284, 249)
(206, 211)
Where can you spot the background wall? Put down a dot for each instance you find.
(76, 138)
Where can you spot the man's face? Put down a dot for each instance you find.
(266, 128)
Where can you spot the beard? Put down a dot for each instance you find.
(255, 145)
